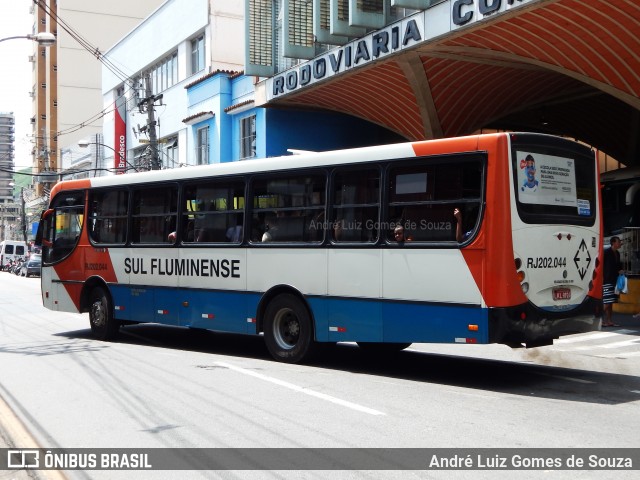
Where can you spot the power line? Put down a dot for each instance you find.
(94, 51)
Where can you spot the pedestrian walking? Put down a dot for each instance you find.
(612, 268)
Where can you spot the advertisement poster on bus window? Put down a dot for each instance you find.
(546, 179)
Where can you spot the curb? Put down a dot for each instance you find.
(13, 434)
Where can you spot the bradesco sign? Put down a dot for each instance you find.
(409, 32)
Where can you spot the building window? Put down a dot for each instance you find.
(248, 137)
(43, 85)
(163, 75)
(197, 54)
(170, 153)
(202, 141)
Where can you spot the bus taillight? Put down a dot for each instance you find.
(521, 276)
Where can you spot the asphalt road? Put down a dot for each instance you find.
(166, 387)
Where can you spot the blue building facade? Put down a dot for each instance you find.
(222, 103)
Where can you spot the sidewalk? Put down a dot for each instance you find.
(625, 320)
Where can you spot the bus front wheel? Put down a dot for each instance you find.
(103, 324)
(288, 329)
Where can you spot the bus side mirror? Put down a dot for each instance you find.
(46, 214)
(42, 227)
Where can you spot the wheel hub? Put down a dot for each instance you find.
(287, 329)
(97, 314)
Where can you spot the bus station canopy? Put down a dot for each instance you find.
(565, 67)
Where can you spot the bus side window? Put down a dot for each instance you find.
(288, 209)
(424, 198)
(154, 214)
(213, 212)
(108, 213)
(356, 205)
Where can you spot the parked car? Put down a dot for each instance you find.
(32, 266)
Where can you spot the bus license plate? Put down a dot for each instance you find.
(561, 293)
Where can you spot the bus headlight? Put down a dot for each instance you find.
(525, 287)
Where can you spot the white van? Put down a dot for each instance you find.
(12, 250)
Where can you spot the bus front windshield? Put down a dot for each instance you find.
(63, 227)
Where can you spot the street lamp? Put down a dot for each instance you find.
(119, 155)
(44, 39)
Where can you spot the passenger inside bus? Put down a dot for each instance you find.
(460, 236)
(270, 228)
(399, 235)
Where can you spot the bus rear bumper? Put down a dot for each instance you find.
(528, 326)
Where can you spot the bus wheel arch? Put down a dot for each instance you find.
(89, 285)
(288, 325)
(268, 296)
(99, 304)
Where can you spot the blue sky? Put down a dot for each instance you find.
(16, 78)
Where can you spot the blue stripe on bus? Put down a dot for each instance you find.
(366, 320)
(336, 318)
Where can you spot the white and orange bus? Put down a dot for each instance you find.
(302, 248)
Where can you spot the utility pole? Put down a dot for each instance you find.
(151, 124)
(23, 217)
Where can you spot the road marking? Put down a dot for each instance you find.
(299, 389)
(623, 343)
(561, 377)
(591, 336)
(624, 355)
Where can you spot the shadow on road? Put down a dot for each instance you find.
(510, 377)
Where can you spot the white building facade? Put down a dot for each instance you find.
(182, 41)
(66, 88)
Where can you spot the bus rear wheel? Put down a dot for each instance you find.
(288, 329)
(103, 324)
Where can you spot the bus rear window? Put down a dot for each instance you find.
(554, 185)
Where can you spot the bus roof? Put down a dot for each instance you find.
(308, 159)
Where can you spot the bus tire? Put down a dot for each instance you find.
(288, 329)
(375, 348)
(103, 324)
